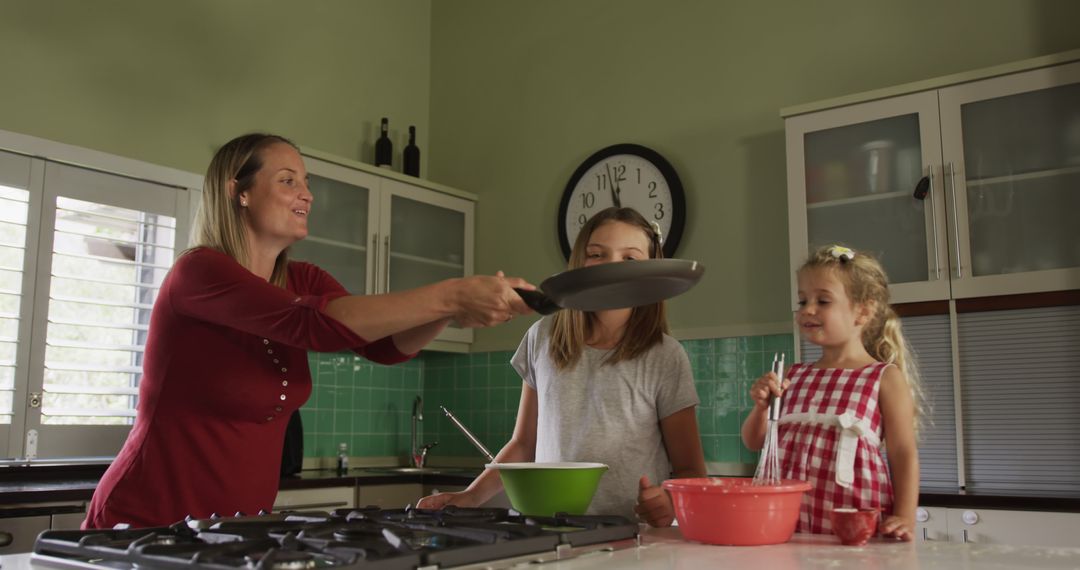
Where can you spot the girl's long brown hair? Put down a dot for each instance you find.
(218, 224)
(647, 324)
(865, 282)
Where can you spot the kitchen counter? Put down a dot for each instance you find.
(664, 549)
(26, 485)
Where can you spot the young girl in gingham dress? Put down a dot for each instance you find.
(838, 413)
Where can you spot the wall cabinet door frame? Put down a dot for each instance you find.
(941, 133)
(964, 283)
(379, 254)
(925, 106)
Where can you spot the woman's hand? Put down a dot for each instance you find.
(440, 500)
(486, 300)
(766, 385)
(653, 504)
(898, 527)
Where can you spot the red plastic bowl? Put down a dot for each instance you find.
(734, 512)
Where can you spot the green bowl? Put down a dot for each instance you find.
(543, 489)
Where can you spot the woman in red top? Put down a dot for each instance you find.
(226, 354)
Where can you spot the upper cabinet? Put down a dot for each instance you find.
(379, 232)
(963, 189)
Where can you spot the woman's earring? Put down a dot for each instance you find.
(243, 203)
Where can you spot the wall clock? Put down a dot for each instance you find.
(624, 175)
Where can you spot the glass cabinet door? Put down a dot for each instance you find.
(1012, 154)
(429, 238)
(861, 181)
(340, 225)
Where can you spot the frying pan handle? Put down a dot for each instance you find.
(537, 301)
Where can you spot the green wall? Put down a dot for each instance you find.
(509, 97)
(522, 92)
(169, 82)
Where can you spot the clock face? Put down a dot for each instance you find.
(625, 175)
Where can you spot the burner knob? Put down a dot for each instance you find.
(238, 514)
(263, 512)
(214, 516)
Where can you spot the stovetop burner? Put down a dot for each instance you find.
(368, 537)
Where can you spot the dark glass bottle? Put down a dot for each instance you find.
(384, 149)
(410, 157)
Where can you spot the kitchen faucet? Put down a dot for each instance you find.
(419, 456)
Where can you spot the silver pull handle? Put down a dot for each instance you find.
(933, 220)
(374, 264)
(955, 221)
(386, 277)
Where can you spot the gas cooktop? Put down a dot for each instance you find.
(370, 538)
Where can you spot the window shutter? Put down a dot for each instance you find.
(107, 265)
(1020, 373)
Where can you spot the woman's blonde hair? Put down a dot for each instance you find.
(866, 283)
(647, 324)
(218, 224)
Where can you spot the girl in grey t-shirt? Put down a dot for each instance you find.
(610, 387)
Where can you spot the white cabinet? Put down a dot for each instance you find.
(320, 499)
(377, 231)
(965, 189)
(396, 496)
(995, 526)
(931, 524)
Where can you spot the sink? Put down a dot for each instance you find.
(421, 470)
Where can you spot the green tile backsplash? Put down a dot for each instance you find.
(369, 406)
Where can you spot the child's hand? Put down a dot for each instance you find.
(898, 527)
(767, 384)
(440, 500)
(653, 504)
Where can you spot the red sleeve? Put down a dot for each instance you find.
(309, 279)
(208, 285)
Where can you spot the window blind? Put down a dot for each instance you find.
(14, 206)
(1020, 378)
(107, 266)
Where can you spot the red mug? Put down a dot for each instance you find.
(854, 526)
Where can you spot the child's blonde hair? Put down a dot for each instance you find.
(865, 282)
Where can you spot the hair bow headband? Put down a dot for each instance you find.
(842, 253)
(656, 231)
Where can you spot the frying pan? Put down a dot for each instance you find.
(614, 285)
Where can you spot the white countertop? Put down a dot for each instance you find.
(665, 549)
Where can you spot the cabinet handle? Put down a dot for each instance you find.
(965, 535)
(925, 535)
(374, 264)
(955, 221)
(933, 220)
(386, 246)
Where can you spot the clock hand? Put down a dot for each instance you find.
(614, 190)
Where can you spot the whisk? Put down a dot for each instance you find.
(768, 467)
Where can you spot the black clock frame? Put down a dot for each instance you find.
(678, 196)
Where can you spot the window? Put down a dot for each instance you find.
(82, 256)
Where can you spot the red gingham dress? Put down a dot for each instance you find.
(810, 434)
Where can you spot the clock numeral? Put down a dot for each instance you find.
(638, 176)
(601, 181)
(659, 214)
(581, 219)
(588, 200)
(652, 189)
